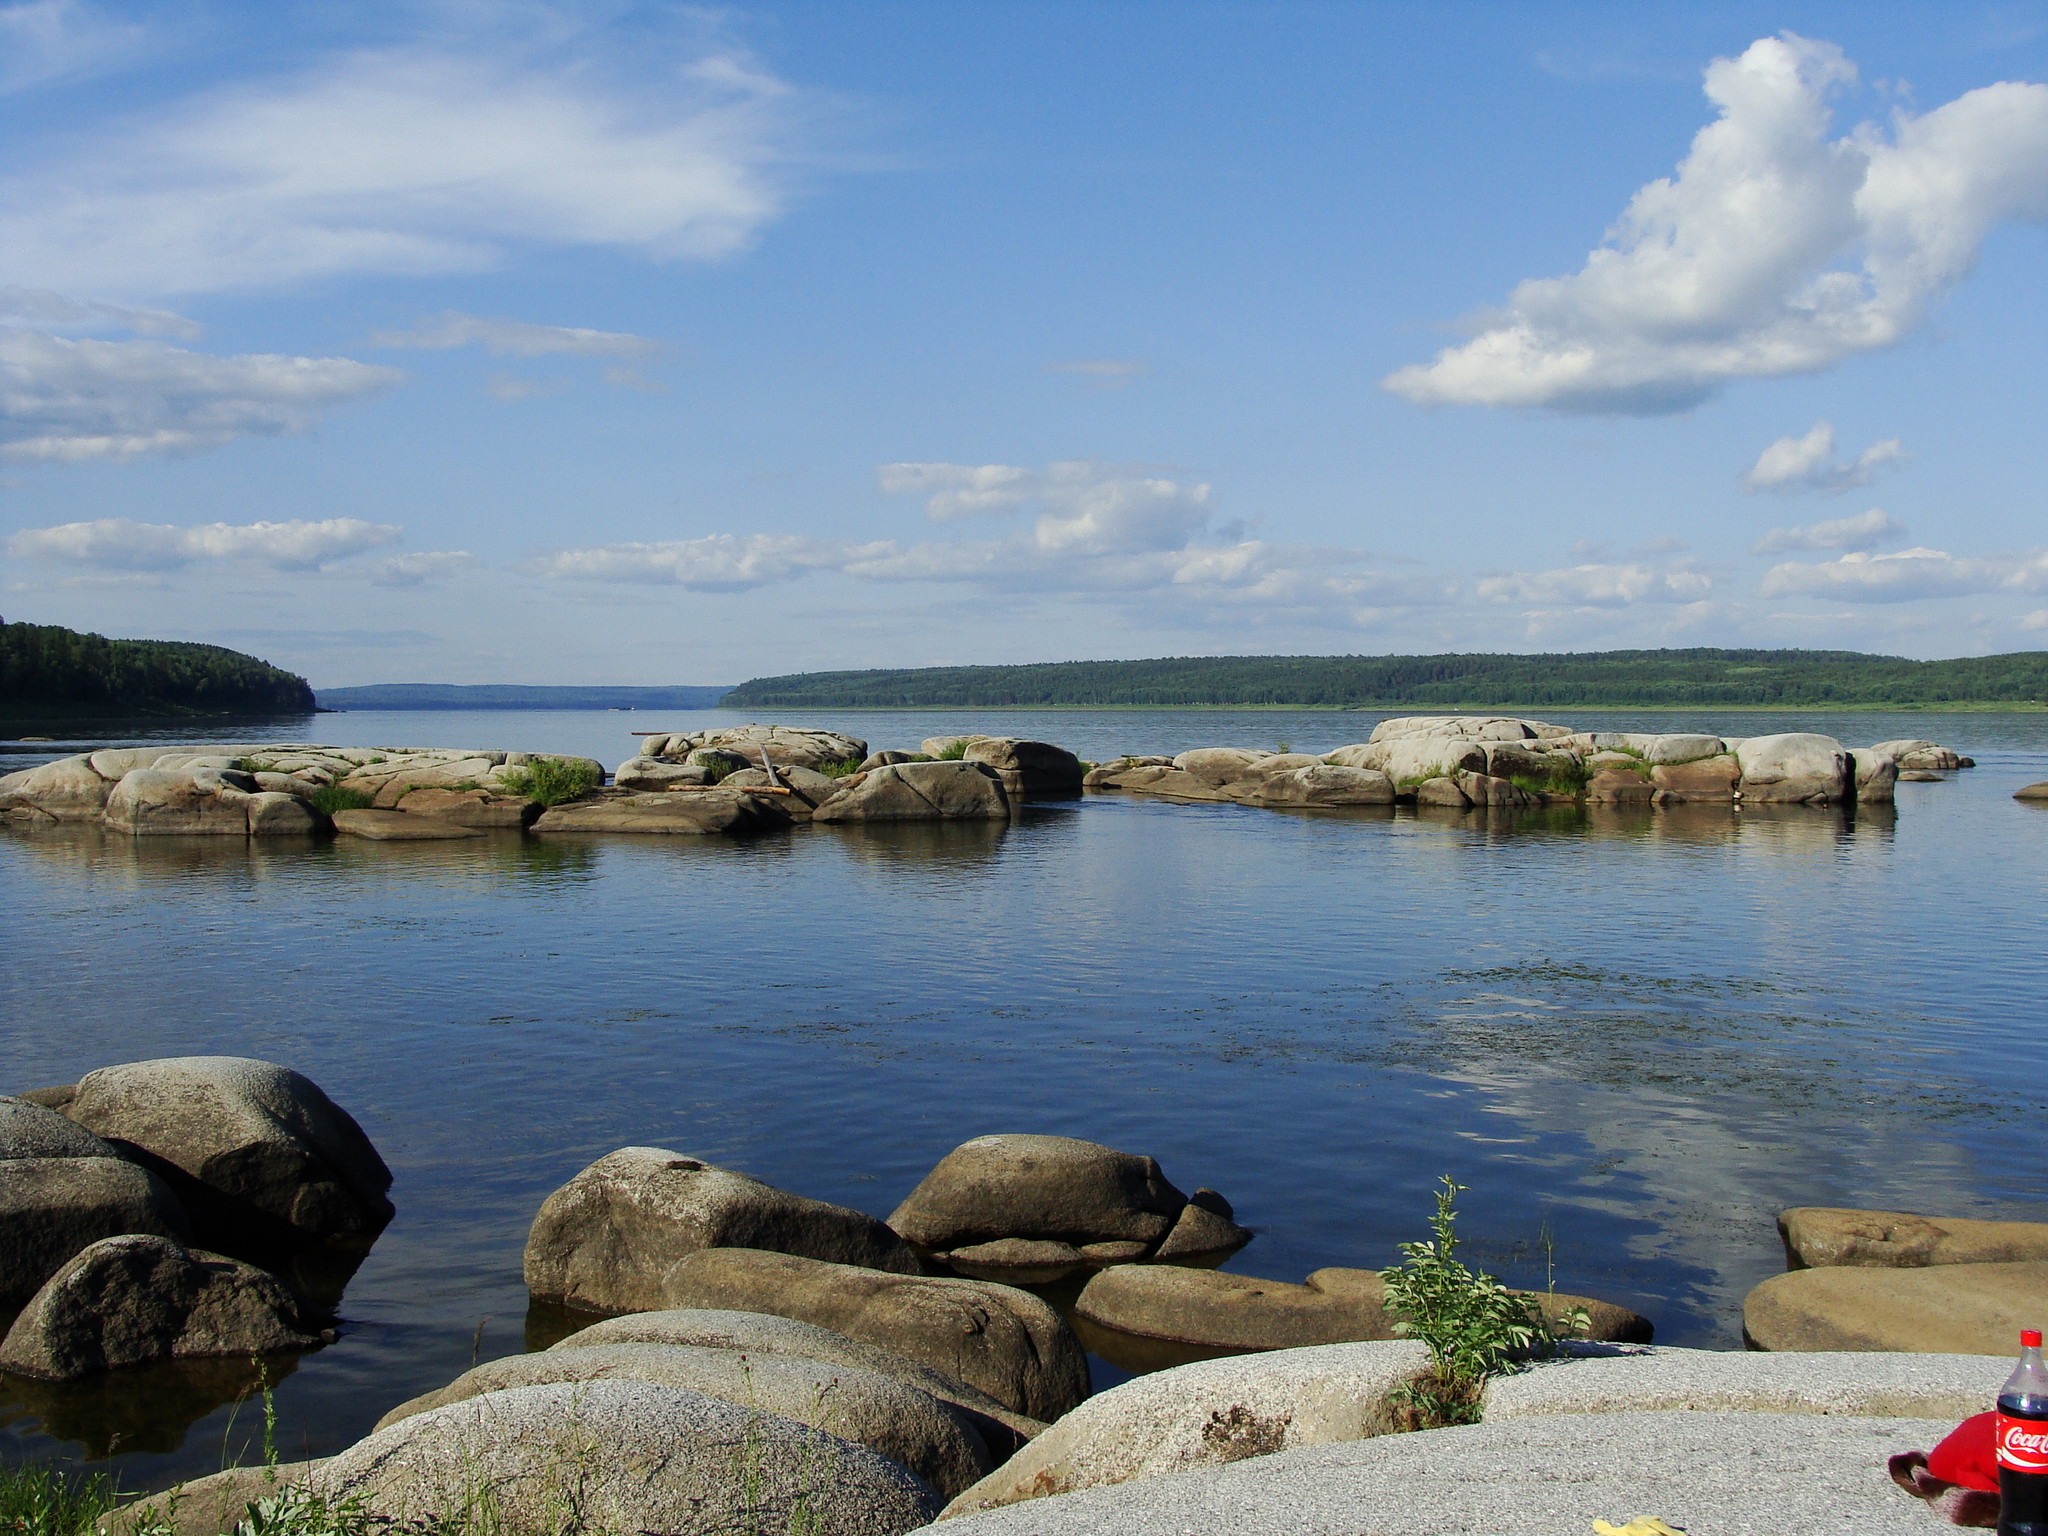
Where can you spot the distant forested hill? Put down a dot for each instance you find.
(47, 671)
(1624, 679)
(519, 696)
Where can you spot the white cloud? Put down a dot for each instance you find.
(46, 40)
(1864, 531)
(517, 338)
(49, 311)
(1597, 586)
(421, 568)
(1101, 372)
(118, 544)
(67, 400)
(960, 490)
(1808, 464)
(1904, 577)
(425, 159)
(719, 562)
(1731, 268)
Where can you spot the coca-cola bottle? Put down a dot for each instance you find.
(2023, 1443)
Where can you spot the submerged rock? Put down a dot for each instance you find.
(687, 813)
(1005, 1342)
(606, 1240)
(1819, 1237)
(130, 1299)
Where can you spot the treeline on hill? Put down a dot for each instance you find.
(49, 671)
(1623, 679)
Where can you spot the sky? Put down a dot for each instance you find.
(656, 343)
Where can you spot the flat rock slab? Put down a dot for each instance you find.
(398, 827)
(1709, 1474)
(1818, 1236)
(1965, 1309)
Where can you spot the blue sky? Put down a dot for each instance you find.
(658, 343)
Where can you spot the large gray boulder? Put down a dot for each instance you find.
(938, 791)
(255, 1151)
(1215, 1310)
(1324, 784)
(624, 1456)
(1702, 779)
(1208, 1414)
(683, 813)
(655, 774)
(783, 744)
(1028, 768)
(1820, 1236)
(182, 801)
(1005, 1342)
(53, 1208)
(134, 1298)
(1038, 1187)
(1217, 766)
(912, 1428)
(1919, 755)
(476, 808)
(1742, 1474)
(1796, 766)
(1002, 1428)
(29, 1129)
(66, 790)
(606, 1240)
(205, 1506)
(1961, 1309)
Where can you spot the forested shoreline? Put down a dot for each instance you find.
(50, 672)
(1643, 679)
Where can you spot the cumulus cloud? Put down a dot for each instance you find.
(719, 562)
(1774, 250)
(1906, 576)
(430, 158)
(421, 568)
(1807, 463)
(517, 338)
(117, 544)
(1864, 531)
(67, 400)
(1597, 586)
(1101, 372)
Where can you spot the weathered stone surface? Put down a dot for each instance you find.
(461, 773)
(1918, 776)
(1674, 749)
(1706, 778)
(2032, 792)
(761, 1333)
(115, 763)
(1873, 775)
(885, 758)
(206, 1506)
(939, 746)
(1217, 766)
(1028, 768)
(284, 784)
(1208, 1414)
(1742, 1474)
(1325, 784)
(1644, 1378)
(273, 813)
(1914, 753)
(1170, 783)
(808, 789)
(1445, 793)
(1417, 757)
(53, 1207)
(399, 827)
(1822, 1236)
(912, 1428)
(1619, 786)
(1473, 727)
(1795, 766)
(935, 791)
(478, 808)
(1215, 1310)
(1205, 1226)
(623, 1456)
(30, 1129)
(652, 773)
(1490, 790)
(1039, 1187)
(606, 1239)
(782, 743)
(1004, 1341)
(252, 1149)
(67, 790)
(685, 813)
(1966, 1309)
(135, 1298)
(181, 801)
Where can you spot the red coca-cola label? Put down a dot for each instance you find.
(2022, 1443)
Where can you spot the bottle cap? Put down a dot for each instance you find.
(2030, 1338)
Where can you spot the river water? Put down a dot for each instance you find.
(1636, 1035)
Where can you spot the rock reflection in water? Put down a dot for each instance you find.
(145, 1408)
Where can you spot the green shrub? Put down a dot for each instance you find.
(841, 768)
(329, 798)
(41, 1501)
(1472, 1324)
(1566, 775)
(954, 751)
(550, 780)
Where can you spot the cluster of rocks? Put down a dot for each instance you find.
(273, 789)
(1459, 762)
(147, 1211)
(1890, 1280)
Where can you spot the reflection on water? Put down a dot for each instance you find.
(148, 1408)
(1635, 1033)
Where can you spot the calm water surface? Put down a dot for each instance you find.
(1636, 1035)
